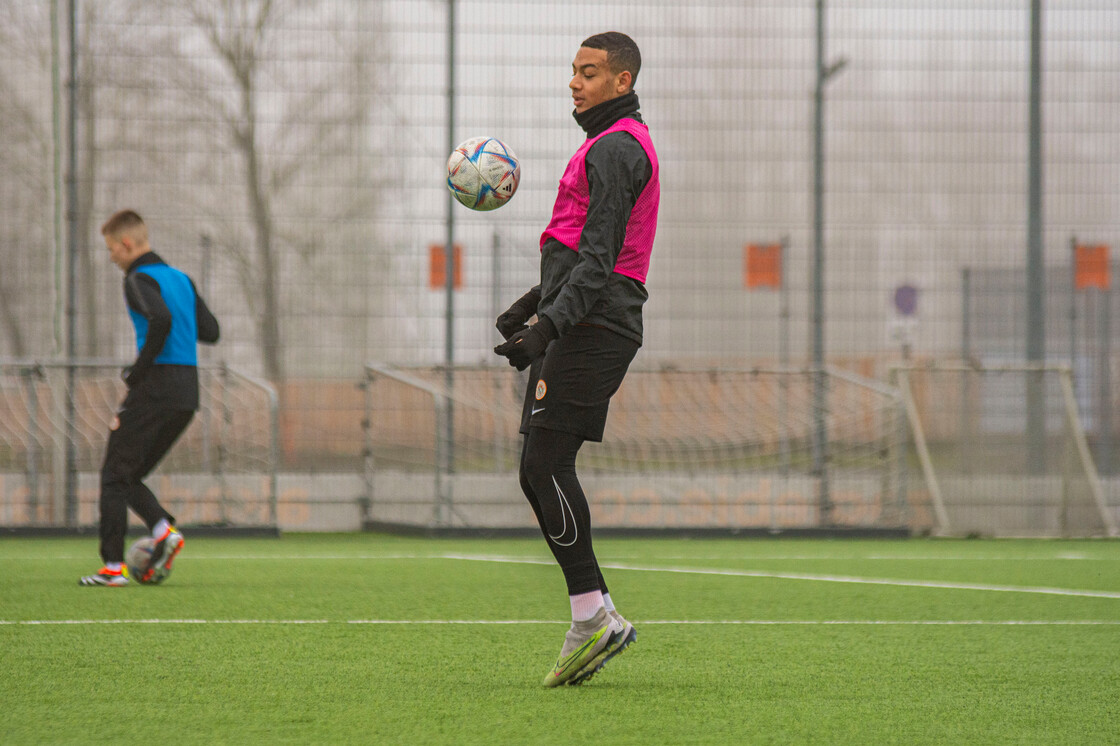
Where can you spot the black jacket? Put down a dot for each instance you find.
(582, 287)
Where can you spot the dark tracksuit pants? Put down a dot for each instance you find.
(141, 438)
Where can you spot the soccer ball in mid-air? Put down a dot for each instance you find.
(483, 173)
(139, 559)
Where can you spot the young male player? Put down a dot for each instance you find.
(170, 319)
(594, 258)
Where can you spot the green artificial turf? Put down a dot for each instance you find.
(378, 639)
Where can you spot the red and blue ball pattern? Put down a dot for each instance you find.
(483, 173)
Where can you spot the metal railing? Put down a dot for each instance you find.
(54, 424)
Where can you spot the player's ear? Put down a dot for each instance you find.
(625, 80)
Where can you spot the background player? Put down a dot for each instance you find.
(170, 319)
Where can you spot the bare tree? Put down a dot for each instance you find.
(90, 299)
(237, 33)
(194, 110)
(21, 163)
(245, 82)
(25, 177)
(28, 161)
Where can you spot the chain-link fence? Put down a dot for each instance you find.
(55, 422)
(289, 155)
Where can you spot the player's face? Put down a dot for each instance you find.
(592, 81)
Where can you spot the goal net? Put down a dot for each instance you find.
(54, 423)
(1002, 451)
(716, 448)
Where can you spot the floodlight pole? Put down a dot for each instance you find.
(820, 431)
(447, 454)
(71, 260)
(1036, 277)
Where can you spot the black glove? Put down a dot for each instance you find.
(126, 373)
(513, 320)
(528, 344)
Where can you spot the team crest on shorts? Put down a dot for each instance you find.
(542, 389)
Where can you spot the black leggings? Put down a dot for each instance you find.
(548, 479)
(142, 437)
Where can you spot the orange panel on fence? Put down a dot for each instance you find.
(1090, 268)
(437, 267)
(763, 266)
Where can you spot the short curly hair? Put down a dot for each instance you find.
(622, 52)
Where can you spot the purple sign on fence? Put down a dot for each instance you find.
(906, 300)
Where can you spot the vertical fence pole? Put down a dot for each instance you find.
(495, 309)
(441, 471)
(227, 434)
(820, 431)
(1073, 308)
(902, 469)
(273, 457)
(31, 376)
(1036, 270)
(72, 265)
(964, 426)
(783, 355)
(447, 432)
(206, 414)
(366, 502)
(819, 436)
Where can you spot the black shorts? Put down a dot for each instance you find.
(571, 385)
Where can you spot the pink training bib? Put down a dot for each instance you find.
(569, 214)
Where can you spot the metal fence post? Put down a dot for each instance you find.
(444, 455)
(30, 378)
(273, 456)
(223, 450)
(365, 502)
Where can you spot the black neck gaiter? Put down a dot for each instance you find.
(599, 118)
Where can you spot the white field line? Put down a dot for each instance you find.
(821, 578)
(685, 557)
(826, 578)
(693, 558)
(729, 622)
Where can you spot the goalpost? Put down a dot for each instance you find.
(54, 423)
(705, 449)
(984, 471)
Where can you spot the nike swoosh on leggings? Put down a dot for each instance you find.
(564, 506)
